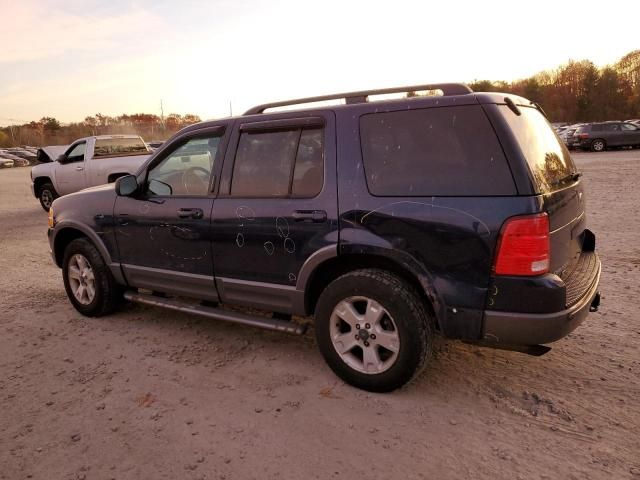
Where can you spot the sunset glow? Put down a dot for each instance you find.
(70, 59)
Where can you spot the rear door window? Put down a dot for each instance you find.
(282, 163)
(548, 158)
(448, 151)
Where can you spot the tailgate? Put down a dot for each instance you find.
(556, 179)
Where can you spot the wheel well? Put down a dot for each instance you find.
(335, 267)
(40, 181)
(64, 238)
(114, 176)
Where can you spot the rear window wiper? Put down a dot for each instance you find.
(539, 108)
(571, 177)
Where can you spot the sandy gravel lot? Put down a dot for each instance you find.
(151, 394)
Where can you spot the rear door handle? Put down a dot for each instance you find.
(196, 213)
(79, 169)
(316, 216)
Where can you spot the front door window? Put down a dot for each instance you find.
(77, 153)
(187, 170)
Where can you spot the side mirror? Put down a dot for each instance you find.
(126, 186)
(156, 187)
(62, 159)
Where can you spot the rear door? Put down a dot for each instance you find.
(277, 207)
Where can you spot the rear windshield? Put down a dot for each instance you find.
(547, 156)
(110, 147)
(445, 151)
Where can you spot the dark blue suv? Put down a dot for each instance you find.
(387, 220)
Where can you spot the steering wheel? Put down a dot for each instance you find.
(202, 183)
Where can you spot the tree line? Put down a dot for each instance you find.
(50, 131)
(578, 91)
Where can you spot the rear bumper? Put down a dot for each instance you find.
(515, 328)
(33, 190)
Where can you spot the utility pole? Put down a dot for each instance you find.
(162, 116)
(230, 109)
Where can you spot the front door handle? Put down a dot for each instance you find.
(79, 169)
(196, 213)
(316, 216)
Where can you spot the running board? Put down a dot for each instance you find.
(216, 313)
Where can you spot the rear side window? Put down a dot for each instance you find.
(283, 163)
(611, 127)
(112, 147)
(595, 128)
(547, 156)
(438, 151)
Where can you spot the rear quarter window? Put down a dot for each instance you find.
(445, 151)
(548, 158)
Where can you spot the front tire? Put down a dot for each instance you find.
(88, 282)
(47, 194)
(373, 330)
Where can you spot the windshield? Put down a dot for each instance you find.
(547, 156)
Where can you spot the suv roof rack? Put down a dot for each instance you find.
(362, 96)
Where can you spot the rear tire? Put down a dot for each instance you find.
(88, 281)
(47, 194)
(598, 145)
(373, 330)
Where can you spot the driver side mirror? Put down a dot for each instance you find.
(62, 159)
(126, 186)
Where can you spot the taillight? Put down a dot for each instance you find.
(583, 135)
(523, 246)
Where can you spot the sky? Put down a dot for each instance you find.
(70, 59)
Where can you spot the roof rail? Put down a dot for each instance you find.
(362, 96)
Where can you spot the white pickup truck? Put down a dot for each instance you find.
(88, 162)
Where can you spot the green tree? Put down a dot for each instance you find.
(611, 98)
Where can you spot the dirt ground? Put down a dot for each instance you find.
(151, 394)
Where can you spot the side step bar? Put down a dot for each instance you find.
(216, 313)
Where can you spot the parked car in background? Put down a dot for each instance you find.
(385, 220)
(88, 162)
(12, 160)
(601, 136)
(27, 153)
(6, 163)
(566, 135)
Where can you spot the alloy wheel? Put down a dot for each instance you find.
(364, 335)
